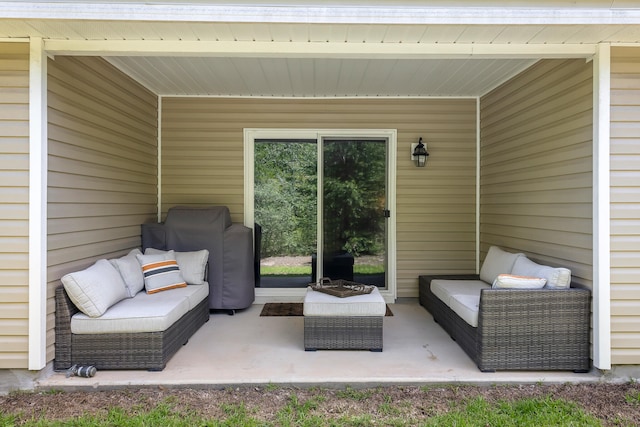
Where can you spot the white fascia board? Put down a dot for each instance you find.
(198, 12)
(314, 49)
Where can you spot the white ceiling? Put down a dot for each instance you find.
(333, 73)
(322, 77)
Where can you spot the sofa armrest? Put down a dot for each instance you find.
(543, 307)
(534, 329)
(429, 277)
(65, 310)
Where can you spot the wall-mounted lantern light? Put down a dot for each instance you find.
(419, 153)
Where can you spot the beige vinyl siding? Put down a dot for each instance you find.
(14, 205)
(102, 166)
(625, 205)
(536, 163)
(203, 164)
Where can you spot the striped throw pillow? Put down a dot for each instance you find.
(161, 272)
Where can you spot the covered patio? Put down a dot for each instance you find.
(129, 117)
(247, 349)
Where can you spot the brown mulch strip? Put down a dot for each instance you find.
(613, 404)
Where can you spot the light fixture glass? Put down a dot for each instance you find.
(420, 154)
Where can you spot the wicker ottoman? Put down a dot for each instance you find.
(351, 323)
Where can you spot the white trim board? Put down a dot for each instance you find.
(250, 134)
(601, 208)
(38, 168)
(478, 141)
(314, 50)
(159, 160)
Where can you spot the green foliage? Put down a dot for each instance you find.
(237, 415)
(285, 197)
(285, 270)
(7, 420)
(296, 413)
(354, 196)
(633, 398)
(387, 408)
(351, 393)
(531, 412)
(353, 204)
(309, 412)
(305, 270)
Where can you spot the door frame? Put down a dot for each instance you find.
(264, 295)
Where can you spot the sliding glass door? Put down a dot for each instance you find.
(354, 209)
(285, 210)
(320, 209)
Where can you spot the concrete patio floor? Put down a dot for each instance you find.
(247, 349)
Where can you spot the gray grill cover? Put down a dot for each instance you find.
(231, 276)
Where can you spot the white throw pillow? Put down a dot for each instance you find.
(557, 277)
(510, 281)
(497, 262)
(96, 288)
(129, 268)
(193, 265)
(161, 272)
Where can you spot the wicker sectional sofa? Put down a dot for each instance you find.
(512, 328)
(97, 323)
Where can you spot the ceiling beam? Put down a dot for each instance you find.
(314, 49)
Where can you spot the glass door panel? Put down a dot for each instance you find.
(285, 210)
(354, 210)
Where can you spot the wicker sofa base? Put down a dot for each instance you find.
(519, 329)
(146, 350)
(343, 333)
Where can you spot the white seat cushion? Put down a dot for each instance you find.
(142, 313)
(444, 288)
(466, 307)
(193, 293)
(321, 304)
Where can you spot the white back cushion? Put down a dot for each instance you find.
(131, 272)
(497, 262)
(557, 277)
(96, 288)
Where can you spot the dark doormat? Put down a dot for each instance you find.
(290, 309)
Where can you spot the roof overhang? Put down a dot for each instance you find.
(297, 48)
(377, 12)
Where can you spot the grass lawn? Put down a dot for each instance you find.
(297, 413)
(304, 270)
(445, 405)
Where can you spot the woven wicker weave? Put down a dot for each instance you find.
(145, 350)
(519, 329)
(343, 333)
